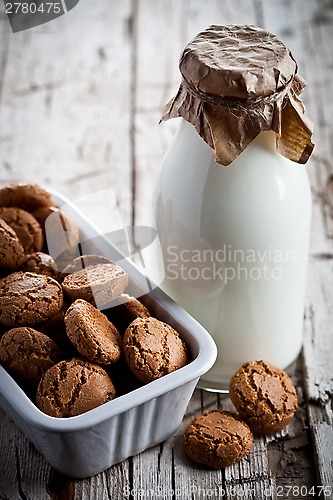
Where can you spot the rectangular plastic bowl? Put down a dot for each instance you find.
(87, 444)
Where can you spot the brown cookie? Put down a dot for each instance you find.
(27, 299)
(27, 353)
(11, 250)
(84, 261)
(93, 335)
(73, 387)
(25, 226)
(124, 310)
(40, 263)
(153, 349)
(55, 328)
(264, 396)
(217, 438)
(61, 234)
(98, 284)
(30, 197)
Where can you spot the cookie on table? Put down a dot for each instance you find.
(264, 396)
(40, 263)
(99, 284)
(27, 353)
(27, 299)
(217, 438)
(153, 349)
(12, 253)
(73, 387)
(93, 335)
(126, 309)
(25, 226)
(30, 197)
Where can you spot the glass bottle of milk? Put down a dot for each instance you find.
(233, 205)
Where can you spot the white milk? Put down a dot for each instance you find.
(235, 247)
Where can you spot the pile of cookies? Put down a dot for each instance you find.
(265, 399)
(68, 355)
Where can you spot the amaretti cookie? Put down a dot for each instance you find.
(217, 438)
(153, 349)
(12, 253)
(30, 197)
(126, 309)
(264, 396)
(27, 299)
(98, 284)
(72, 387)
(28, 353)
(93, 335)
(84, 261)
(40, 263)
(25, 226)
(61, 233)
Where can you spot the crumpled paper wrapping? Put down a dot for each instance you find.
(237, 82)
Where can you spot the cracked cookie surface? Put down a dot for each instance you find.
(25, 226)
(73, 387)
(126, 309)
(40, 263)
(27, 196)
(28, 353)
(27, 299)
(98, 284)
(264, 396)
(12, 253)
(93, 335)
(217, 438)
(153, 349)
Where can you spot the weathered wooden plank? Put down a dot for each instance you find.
(110, 484)
(24, 472)
(193, 481)
(308, 39)
(65, 104)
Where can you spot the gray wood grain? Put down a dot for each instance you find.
(80, 101)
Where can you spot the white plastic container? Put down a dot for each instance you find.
(84, 445)
(235, 247)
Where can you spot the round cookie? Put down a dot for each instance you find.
(93, 335)
(126, 309)
(264, 396)
(27, 299)
(153, 349)
(25, 226)
(98, 284)
(73, 387)
(40, 263)
(11, 250)
(61, 234)
(30, 197)
(84, 261)
(27, 353)
(217, 438)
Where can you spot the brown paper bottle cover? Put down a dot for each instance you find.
(239, 80)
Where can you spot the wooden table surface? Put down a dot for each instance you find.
(80, 100)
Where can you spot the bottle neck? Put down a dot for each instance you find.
(265, 140)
